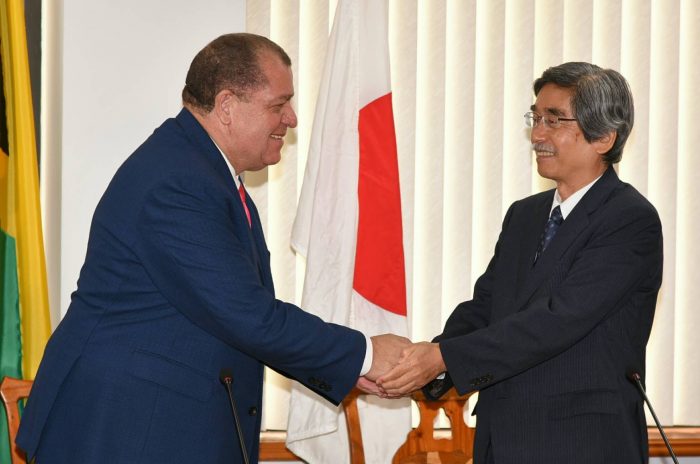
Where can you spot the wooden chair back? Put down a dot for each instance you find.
(12, 391)
(422, 447)
(352, 420)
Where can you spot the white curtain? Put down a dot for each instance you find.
(462, 75)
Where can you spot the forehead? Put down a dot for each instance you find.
(280, 83)
(553, 99)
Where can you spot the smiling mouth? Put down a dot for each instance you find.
(543, 150)
(277, 137)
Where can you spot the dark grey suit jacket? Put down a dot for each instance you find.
(548, 345)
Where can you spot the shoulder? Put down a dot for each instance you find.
(174, 150)
(169, 162)
(536, 199)
(527, 208)
(627, 203)
(626, 216)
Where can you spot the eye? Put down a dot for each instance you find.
(552, 120)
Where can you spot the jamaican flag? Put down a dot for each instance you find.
(24, 311)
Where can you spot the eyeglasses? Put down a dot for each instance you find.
(552, 121)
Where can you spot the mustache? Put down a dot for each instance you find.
(543, 147)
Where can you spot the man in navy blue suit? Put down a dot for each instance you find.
(565, 307)
(176, 287)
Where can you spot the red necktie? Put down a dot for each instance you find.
(241, 192)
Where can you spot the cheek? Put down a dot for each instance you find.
(259, 134)
(564, 141)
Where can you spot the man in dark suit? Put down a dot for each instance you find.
(176, 286)
(566, 304)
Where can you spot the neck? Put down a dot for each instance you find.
(215, 132)
(566, 189)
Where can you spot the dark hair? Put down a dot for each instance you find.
(228, 62)
(601, 101)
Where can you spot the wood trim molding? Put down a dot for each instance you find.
(275, 451)
(685, 442)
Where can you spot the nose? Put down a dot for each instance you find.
(289, 118)
(537, 133)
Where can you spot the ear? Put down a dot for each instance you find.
(605, 143)
(224, 106)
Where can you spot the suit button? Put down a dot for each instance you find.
(481, 380)
(253, 411)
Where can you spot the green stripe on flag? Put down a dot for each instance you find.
(10, 342)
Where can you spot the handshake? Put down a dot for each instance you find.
(400, 367)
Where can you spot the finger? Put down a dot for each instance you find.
(404, 390)
(404, 384)
(398, 371)
(368, 386)
(401, 386)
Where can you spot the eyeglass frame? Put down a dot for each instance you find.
(531, 121)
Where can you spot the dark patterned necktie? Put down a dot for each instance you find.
(555, 220)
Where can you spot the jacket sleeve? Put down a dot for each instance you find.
(194, 250)
(619, 267)
(475, 314)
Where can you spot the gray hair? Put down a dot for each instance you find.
(230, 62)
(601, 101)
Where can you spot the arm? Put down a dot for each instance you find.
(617, 264)
(615, 269)
(422, 363)
(197, 256)
(475, 314)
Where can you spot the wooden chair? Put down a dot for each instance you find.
(421, 446)
(12, 391)
(352, 419)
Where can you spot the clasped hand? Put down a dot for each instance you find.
(400, 367)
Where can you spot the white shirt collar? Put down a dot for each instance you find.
(568, 205)
(230, 167)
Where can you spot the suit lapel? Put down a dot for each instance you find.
(530, 238)
(257, 239)
(571, 228)
(253, 237)
(196, 133)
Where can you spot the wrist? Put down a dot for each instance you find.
(439, 361)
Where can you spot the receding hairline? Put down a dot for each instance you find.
(234, 61)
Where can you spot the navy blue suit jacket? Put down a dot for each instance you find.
(175, 287)
(548, 345)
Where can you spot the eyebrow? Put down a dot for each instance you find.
(554, 111)
(282, 99)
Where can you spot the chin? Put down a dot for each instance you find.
(547, 174)
(272, 160)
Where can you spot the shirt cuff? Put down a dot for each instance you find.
(369, 355)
